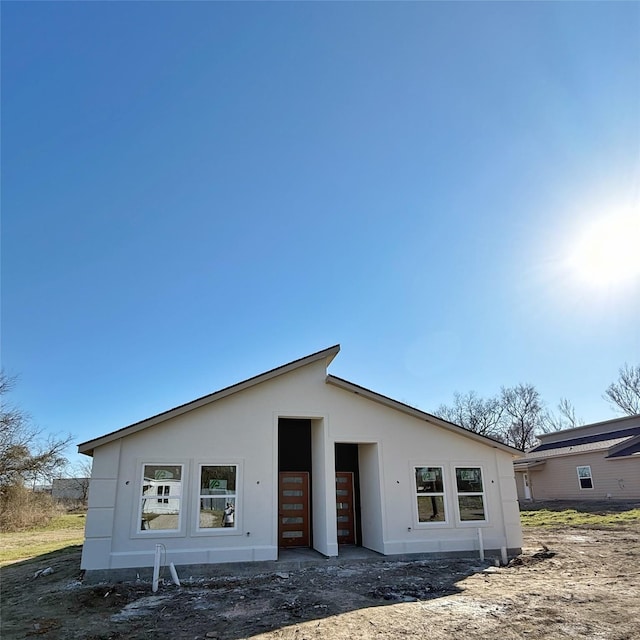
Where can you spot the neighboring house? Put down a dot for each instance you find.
(594, 462)
(294, 458)
(41, 488)
(70, 489)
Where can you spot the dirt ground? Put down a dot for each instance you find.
(570, 582)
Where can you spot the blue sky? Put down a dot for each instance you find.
(194, 193)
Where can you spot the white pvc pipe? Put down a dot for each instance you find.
(174, 574)
(481, 545)
(156, 568)
(505, 558)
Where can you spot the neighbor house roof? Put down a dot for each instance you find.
(616, 438)
(586, 430)
(326, 354)
(600, 445)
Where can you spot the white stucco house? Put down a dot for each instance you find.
(294, 457)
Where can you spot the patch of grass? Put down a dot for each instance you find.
(62, 531)
(571, 517)
(66, 521)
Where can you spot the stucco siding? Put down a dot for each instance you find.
(242, 430)
(102, 493)
(102, 500)
(408, 442)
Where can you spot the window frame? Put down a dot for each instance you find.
(155, 498)
(416, 494)
(589, 477)
(458, 494)
(197, 496)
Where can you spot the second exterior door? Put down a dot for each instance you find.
(344, 508)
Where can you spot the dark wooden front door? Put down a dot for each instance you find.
(293, 509)
(344, 507)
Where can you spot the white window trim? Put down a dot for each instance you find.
(585, 466)
(456, 494)
(137, 532)
(237, 522)
(416, 515)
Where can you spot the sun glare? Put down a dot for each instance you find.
(607, 253)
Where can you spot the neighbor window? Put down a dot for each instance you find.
(218, 496)
(161, 498)
(430, 494)
(470, 493)
(584, 477)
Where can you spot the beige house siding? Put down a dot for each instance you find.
(613, 478)
(520, 486)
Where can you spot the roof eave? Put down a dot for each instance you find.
(523, 464)
(421, 415)
(623, 446)
(328, 355)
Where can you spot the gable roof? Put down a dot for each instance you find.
(326, 354)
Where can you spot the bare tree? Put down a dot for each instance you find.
(25, 454)
(524, 415)
(483, 416)
(80, 474)
(624, 394)
(564, 419)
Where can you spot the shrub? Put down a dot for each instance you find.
(21, 508)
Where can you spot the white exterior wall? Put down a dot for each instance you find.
(371, 504)
(242, 429)
(405, 442)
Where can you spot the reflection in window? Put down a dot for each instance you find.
(430, 494)
(470, 493)
(584, 477)
(161, 497)
(218, 496)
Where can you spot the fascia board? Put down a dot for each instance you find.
(327, 354)
(421, 415)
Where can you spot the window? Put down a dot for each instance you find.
(217, 496)
(430, 494)
(161, 498)
(470, 493)
(584, 477)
